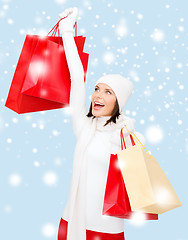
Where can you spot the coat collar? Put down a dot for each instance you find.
(100, 122)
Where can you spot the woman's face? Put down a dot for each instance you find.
(105, 96)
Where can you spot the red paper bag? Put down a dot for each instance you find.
(116, 200)
(42, 80)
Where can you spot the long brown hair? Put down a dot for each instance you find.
(115, 113)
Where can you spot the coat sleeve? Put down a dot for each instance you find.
(77, 101)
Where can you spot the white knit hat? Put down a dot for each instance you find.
(121, 86)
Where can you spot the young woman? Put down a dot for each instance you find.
(98, 135)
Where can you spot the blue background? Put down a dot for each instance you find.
(36, 149)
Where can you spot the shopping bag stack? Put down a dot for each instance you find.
(137, 184)
(42, 80)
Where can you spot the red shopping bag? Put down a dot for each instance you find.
(42, 80)
(116, 200)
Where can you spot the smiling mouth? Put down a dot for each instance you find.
(98, 106)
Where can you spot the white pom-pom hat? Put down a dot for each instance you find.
(122, 87)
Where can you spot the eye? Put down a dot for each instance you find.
(108, 91)
(96, 89)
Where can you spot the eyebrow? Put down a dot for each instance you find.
(105, 89)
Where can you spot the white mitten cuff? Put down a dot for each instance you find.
(66, 28)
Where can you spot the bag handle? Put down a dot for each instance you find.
(132, 140)
(123, 143)
(55, 28)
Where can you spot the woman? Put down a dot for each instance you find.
(98, 135)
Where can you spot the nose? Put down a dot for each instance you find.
(99, 94)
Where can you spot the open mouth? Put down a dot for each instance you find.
(98, 105)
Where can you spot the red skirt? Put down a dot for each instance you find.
(90, 235)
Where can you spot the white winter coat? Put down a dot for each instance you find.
(94, 145)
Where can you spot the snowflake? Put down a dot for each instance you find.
(157, 35)
(108, 57)
(180, 122)
(140, 16)
(9, 140)
(154, 134)
(121, 29)
(36, 164)
(134, 75)
(181, 28)
(49, 230)
(138, 218)
(35, 150)
(50, 178)
(10, 21)
(55, 133)
(15, 179)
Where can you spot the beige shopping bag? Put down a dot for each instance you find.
(148, 188)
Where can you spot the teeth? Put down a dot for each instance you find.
(99, 103)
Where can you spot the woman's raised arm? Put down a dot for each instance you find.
(78, 93)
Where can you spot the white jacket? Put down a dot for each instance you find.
(94, 145)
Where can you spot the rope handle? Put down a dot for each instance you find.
(132, 140)
(55, 28)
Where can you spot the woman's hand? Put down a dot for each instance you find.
(67, 24)
(130, 125)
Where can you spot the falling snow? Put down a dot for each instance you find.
(121, 29)
(154, 134)
(49, 230)
(158, 35)
(50, 178)
(147, 43)
(15, 179)
(138, 219)
(108, 58)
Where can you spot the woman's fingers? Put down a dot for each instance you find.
(70, 10)
(69, 18)
(67, 12)
(62, 15)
